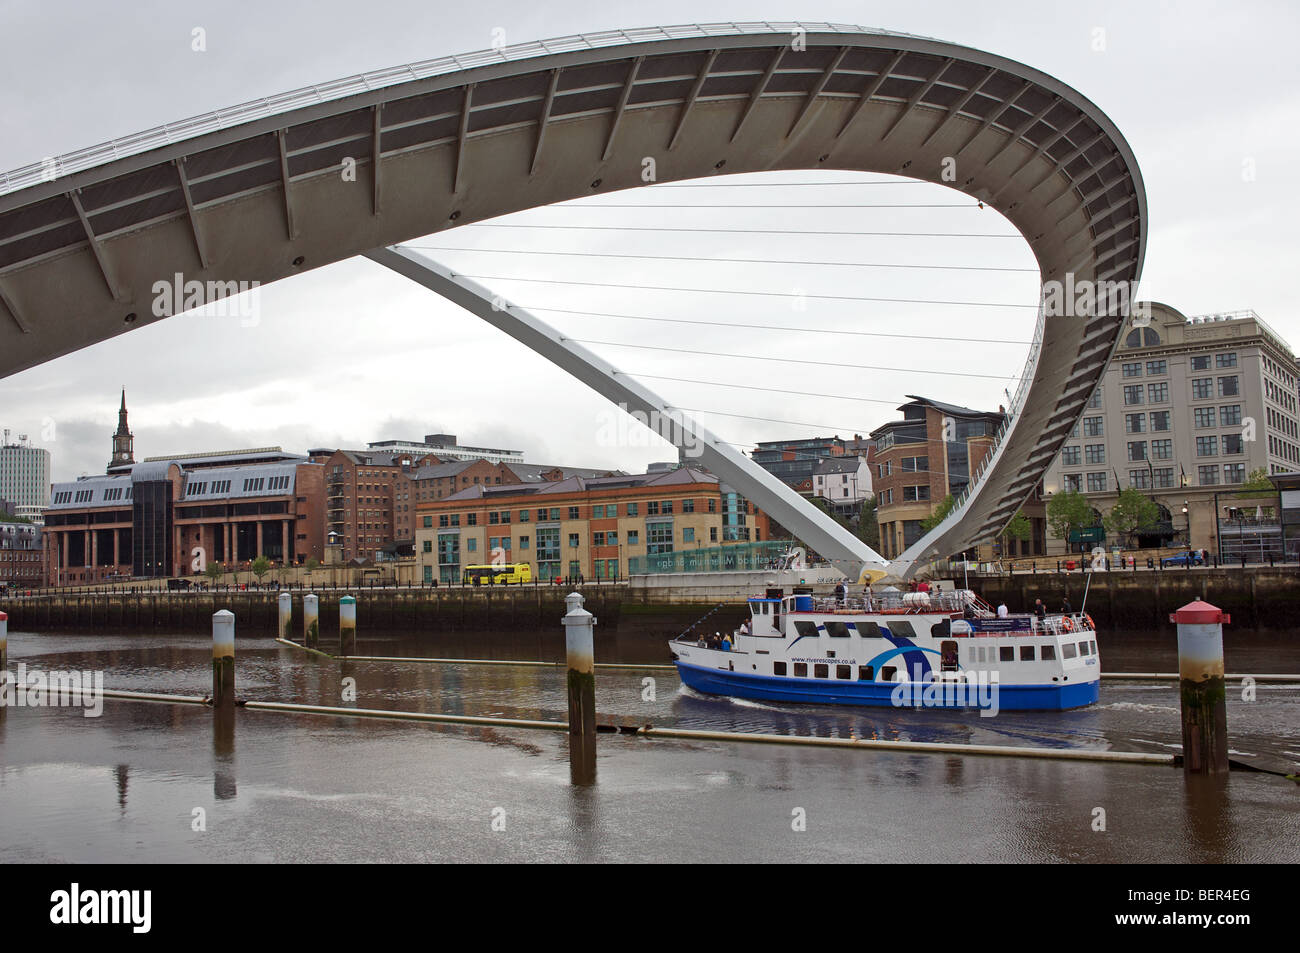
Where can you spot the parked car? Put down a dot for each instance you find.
(1186, 559)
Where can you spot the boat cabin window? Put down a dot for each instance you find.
(866, 673)
(1093, 643)
(837, 629)
(1083, 648)
(778, 668)
(941, 628)
(821, 671)
(1026, 653)
(1068, 650)
(1006, 653)
(868, 630)
(806, 630)
(843, 671)
(888, 672)
(801, 669)
(901, 630)
(1049, 653)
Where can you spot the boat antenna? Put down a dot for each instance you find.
(1083, 608)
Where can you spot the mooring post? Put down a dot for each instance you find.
(311, 619)
(223, 660)
(4, 641)
(348, 626)
(286, 615)
(579, 644)
(1201, 688)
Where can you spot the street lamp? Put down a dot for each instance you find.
(1188, 520)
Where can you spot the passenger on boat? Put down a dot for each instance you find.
(1040, 610)
(1002, 610)
(744, 627)
(841, 593)
(726, 643)
(1065, 606)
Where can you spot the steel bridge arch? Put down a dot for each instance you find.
(255, 193)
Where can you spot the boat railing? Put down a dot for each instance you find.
(1063, 624)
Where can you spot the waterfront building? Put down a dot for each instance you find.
(123, 439)
(1188, 408)
(22, 559)
(928, 455)
(25, 477)
(578, 525)
(369, 505)
(445, 447)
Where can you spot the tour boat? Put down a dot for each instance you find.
(938, 649)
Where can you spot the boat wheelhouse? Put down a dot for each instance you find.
(942, 649)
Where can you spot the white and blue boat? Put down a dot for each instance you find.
(941, 649)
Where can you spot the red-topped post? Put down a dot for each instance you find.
(1201, 687)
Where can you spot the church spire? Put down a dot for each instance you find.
(123, 439)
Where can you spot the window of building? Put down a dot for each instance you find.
(523, 542)
(1162, 449)
(1232, 443)
(1207, 446)
(1202, 388)
(632, 509)
(1133, 394)
(1137, 450)
(688, 534)
(1158, 393)
(1093, 426)
(1228, 386)
(1230, 415)
(1135, 423)
(1094, 402)
(659, 538)
(1155, 368)
(652, 508)
(1163, 477)
(1225, 360)
(1207, 476)
(1201, 362)
(573, 541)
(1234, 473)
(1073, 482)
(1204, 417)
(1141, 479)
(633, 537)
(1095, 452)
(1097, 482)
(912, 493)
(688, 506)
(1070, 456)
(1159, 420)
(1133, 370)
(598, 539)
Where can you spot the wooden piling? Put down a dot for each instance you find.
(311, 620)
(347, 626)
(223, 660)
(1202, 688)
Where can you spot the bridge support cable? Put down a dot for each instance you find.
(817, 529)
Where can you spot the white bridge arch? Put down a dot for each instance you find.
(254, 194)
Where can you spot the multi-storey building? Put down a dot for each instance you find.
(444, 447)
(164, 518)
(25, 477)
(843, 482)
(926, 456)
(1188, 408)
(793, 461)
(587, 526)
(22, 560)
(369, 502)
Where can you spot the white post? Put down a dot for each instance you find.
(223, 659)
(286, 614)
(311, 619)
(347, 626)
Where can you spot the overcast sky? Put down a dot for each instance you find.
(1206, 94)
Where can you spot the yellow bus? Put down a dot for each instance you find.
(504, 575)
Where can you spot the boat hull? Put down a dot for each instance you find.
(1010, 697)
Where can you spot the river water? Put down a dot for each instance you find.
(130, 784)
